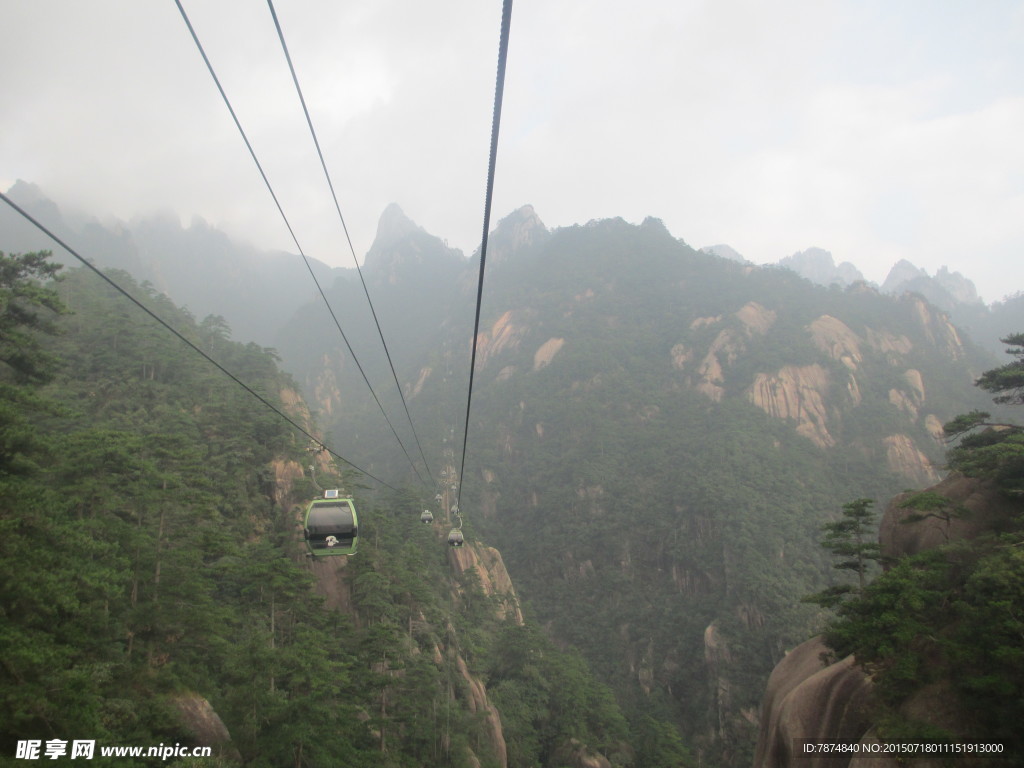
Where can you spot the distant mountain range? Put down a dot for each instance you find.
(951, 292)
(257, 291)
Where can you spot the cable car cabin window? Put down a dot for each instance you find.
(331, 528)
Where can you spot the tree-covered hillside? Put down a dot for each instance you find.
(149, 564)
(927, 654)
(657, 436)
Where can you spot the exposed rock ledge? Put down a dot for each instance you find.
(807, 700)
(203, 725)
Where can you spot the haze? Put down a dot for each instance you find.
(875, 130)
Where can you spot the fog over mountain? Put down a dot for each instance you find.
(950, 291)
(257, 289)
(657, 433)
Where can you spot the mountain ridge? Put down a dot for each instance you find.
(270, 285)
(656, 435)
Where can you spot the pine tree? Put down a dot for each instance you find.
(988, 449)
(854, 539)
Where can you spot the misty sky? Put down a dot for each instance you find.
(876, 129)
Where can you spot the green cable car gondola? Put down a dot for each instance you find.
(427, 517)
(332, 527)
(455, 538)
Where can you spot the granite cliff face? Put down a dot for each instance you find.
(816, 398)
(806, 699)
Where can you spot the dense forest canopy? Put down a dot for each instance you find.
(148, 557)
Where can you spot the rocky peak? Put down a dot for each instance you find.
(31, 198)
(818, 266)
(947, 290)
(400, 244)
(26, 193)
(958, 286)
(902, 272)
(519, 230)
(724, 251)
(393, 227)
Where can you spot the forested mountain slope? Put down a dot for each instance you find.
(198, 265)
(927, 656)
(150, 568)
(657, 435)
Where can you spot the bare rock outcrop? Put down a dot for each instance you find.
(835, 339)
(494, 579)
(331, 583)
(798, 393)
(981, 508)
(806, 699)
(575, 754)
(519, 230)
(546, 352)
(203, 725)
(937, 327)
(286, 473)
(506, 333)
(889, 344)
(725, 348)
(905, 458)
(480, 705)
(756, 319)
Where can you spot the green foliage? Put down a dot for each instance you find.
(854, 537)
(1007, 379)
(640, 510)
(28, 308)
(994, 454)
(997, 452)
(953, 616)
(548, 698)
(143, 556)
(889, 626)
(964, 423)
(933, 505)
(985, 642)
(28, 311)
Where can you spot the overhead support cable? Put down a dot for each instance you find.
(499, 89)
(295, 239)
(337, 207)
(86, 263)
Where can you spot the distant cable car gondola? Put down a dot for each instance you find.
(427, 517)
(332, 527)
(455, 538)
